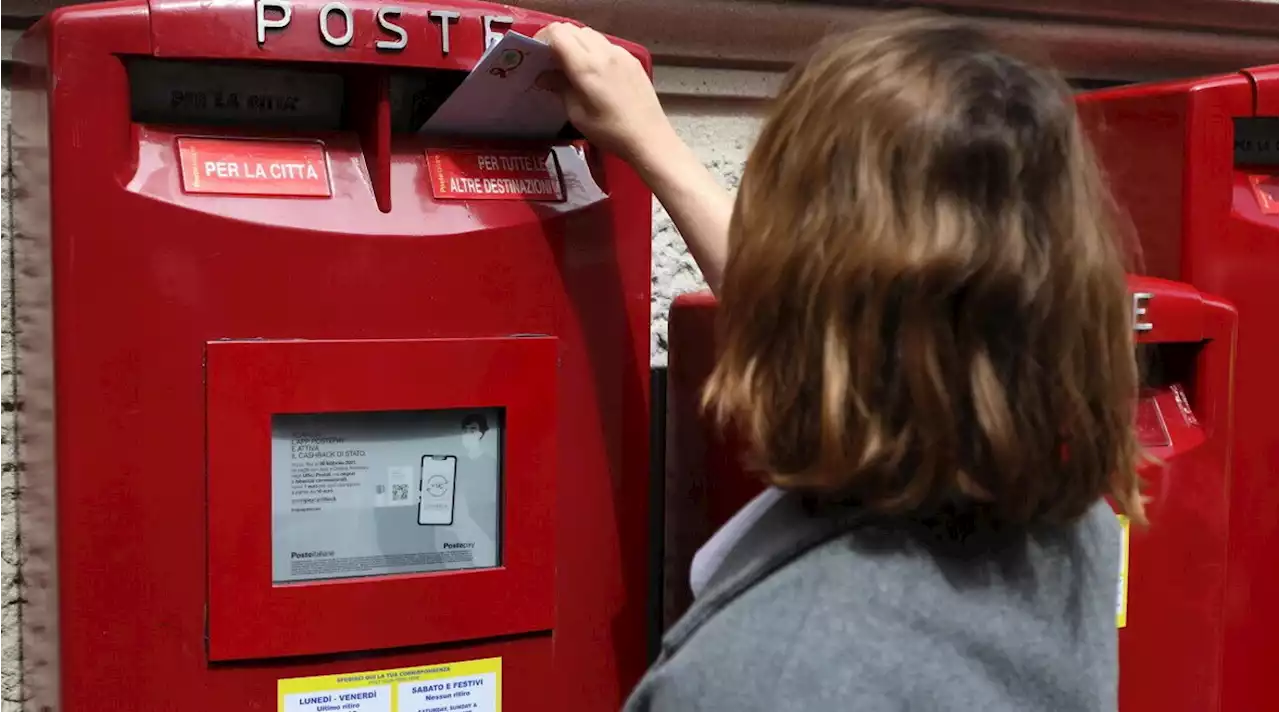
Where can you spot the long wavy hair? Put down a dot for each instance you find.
(925, 300)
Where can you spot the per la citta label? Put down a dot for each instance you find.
(261, 170)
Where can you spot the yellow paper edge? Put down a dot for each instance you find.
(1122, 615)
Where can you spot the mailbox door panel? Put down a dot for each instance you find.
(265, 482)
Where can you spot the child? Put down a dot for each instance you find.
(926, 346)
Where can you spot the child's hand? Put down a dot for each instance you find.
(606, 92)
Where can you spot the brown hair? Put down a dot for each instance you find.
(924, 302)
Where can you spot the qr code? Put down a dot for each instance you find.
(399, 493)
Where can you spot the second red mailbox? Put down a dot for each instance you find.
(346, 416)
(1171, 582)
(1194, 162)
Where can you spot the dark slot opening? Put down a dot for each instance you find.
(416, 94)
(280, 96)
(657, 504)
(284, 96)
(1165, 365)
(1255, 141)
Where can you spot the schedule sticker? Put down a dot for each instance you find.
(472, 174)
(468, 686)
(250, 167)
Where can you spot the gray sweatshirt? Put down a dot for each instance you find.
(808, 612)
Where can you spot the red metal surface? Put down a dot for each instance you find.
(146, 275)
(249, 381)
(1168, 148)
(1172, 641)
(705, 483)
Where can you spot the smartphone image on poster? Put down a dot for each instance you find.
(436, 492)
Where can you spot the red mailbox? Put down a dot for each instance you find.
(1194, 164)
(336, 425)
(1173, 580)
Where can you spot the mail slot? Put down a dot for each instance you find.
(349, 412)
(1173, 580)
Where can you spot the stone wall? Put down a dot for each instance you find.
(722, 137)
(10, 581)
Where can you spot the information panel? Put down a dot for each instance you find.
(368, 494)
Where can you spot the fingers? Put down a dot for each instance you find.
(594, 41)
(567, 46)
(579, 50)
(602, 50)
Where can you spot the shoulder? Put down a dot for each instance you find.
(879, 622)
(736, 659)
(1100, 529)
(1088, 550)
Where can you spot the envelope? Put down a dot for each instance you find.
(507, 95)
